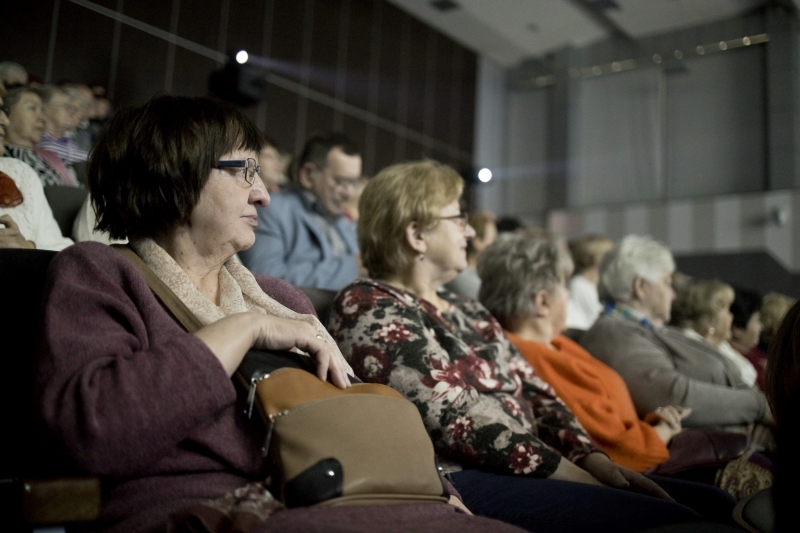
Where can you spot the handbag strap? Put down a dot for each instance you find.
(165, 295)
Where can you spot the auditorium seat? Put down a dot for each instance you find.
(37, 485)
(65, 202)
(322, 300)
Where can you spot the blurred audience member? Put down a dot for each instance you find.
(525, 289)
(303, 236)
(26, 124)
(61, 118)
(783, 390)
(468, 283)
(707, 318)
(26, 220)
(83, 97)
(773, 307)
(13, 74)
(584, 303)
(660, 365)
(352, 211)
(746, 330)
(509, 225)
(273, 167)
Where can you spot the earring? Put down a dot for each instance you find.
(711, 330)
(422, 257)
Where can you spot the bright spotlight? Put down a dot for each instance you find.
(484, 175)
(241, 57)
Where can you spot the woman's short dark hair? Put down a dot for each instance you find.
(148, 167)
(745, 304)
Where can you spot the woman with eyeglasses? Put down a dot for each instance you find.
(133, 397)
(512, 448)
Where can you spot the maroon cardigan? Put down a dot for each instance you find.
(136, 399)
(146, 406)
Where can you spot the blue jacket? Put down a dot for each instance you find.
(289, 246)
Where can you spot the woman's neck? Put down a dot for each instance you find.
(420, 286)
(591, 275)
(203, 270)
(536, 330)
(16, 144)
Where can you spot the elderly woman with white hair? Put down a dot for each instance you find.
(659, 364)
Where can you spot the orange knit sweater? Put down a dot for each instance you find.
(600, 400)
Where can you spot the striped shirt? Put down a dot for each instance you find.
(66, 148)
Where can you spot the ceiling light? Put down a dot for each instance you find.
(485, 175)
(241, 57)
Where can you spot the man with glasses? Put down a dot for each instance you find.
(303, 235)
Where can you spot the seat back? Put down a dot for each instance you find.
(28, 450)
(322, 300)
(65, 202)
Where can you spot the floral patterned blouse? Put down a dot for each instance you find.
(482, 403)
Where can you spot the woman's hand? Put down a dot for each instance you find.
(667, 421)
(614, 475)
(10, 236)
(229, 339)
(285, 334)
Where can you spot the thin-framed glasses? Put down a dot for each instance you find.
(241, 168)
(462, 219)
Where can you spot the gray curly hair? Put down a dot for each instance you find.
(514, 269)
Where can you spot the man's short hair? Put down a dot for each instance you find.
(48, 91)
(318, 145)
(147, 168)
(9, 68)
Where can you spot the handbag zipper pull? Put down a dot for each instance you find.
(251, 394)
(270, 427)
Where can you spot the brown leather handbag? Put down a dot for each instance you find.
(362, 445)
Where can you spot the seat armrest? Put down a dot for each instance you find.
(60, 500)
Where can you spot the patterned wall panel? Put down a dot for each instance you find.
(401, 89)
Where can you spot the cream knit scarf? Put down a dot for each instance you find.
(239, 291)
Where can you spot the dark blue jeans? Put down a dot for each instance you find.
(550, 506)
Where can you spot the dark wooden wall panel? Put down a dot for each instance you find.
(325, 46)
(83, 38)
(245, 26)
(358, 52)
(392, 67)
(281, 116)
(418, 49)
(191, 73)
(141, 67)
(384, 150)
(287, 35)
(20, 22)
(199, 21)
(158, 14)
(389, 69)
(319, 118)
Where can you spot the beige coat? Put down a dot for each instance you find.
(667, 368)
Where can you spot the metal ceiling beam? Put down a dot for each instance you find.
(600, 18)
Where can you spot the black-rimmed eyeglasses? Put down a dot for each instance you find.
(245, 169)
(462, 219)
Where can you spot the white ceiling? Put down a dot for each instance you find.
(509, 31)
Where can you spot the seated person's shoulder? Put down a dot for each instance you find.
(18, 170)
(285, 294)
